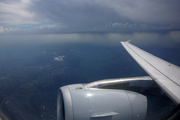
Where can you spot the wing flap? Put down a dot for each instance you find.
(166, 75)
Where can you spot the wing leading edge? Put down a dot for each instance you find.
(166, 75)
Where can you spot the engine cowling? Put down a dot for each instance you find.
(76, 102)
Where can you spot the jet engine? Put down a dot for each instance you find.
(79, 102)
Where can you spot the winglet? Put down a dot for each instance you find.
(128, 41)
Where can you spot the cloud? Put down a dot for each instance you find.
(86, 13)
(55, 28)
(59, 58)
(15, 12)
(148, 11)
(4, 30)
(128, 26)
(108, 39)
(1, 29)
(89, 16)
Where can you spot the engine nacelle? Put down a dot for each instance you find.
(76, 102)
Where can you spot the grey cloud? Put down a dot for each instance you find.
(148, 11)
(86, 11)
(75, 14)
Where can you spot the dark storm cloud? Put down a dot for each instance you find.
(113, 16)
(76, 15)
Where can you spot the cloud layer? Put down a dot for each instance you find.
(171, 39)
(80, 16)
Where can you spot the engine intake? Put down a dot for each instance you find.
(76, 102)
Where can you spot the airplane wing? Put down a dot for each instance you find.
(165, 74)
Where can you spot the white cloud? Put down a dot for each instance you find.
(48, 28)
(1, 29)
(39, 29)
(15, 13)
(127, 25)
(59, 58)
(116, 24)
(122, 25)
(4, 30)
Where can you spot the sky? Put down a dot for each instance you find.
(91, 21)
